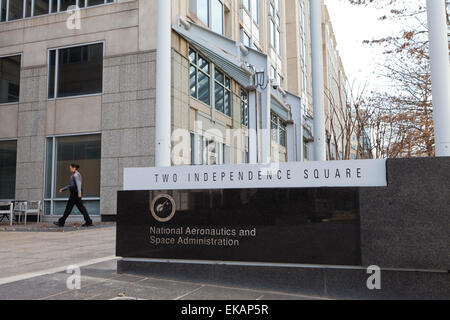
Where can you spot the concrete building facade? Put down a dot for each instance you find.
(78, 85)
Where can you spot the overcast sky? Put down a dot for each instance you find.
(352, 25)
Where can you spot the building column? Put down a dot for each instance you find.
(317, 81)
(437, 27)
(163, 129)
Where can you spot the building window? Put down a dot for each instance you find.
(252, 8)
(246, 40)
(275, 25)
(222, 93)
(244, 108)
(60, 153)
(211, 13)
(76, 71)
(18, 9)
(8, 159)
(278, 130)
(207, 151)
(218, 19)
(306, 151)
(10, 79)
(199, 77)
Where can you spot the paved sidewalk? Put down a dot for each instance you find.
(101, 282)
(33, 266)
(25, 252)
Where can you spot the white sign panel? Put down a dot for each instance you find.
(357, 173)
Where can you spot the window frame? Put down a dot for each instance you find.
(225, 90)
(275, 26)
(21, 65)
(210, 9)
(212, 82)
(197, 71)
(52, 199)
(50, 8)
(245, 108)
(280, 125)
(56, 76)
(11, 140)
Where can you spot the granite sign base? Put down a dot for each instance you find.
(332, 283)
(312, 241)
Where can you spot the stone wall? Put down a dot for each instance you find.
(407, 224)
(128, 121)
(31, 133)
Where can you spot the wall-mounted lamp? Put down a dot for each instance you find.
(260, 79)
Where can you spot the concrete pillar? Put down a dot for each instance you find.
(317, 81)
(437, 27)
(163, 126)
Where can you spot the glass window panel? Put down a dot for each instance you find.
(227, 83)
(15, 10)
(8, 157)
(93, 207)
(271, 33)
(282, 135)
(193, 81)
(85, 151)
(192, 56)
(51, 74)
(219, 76)
(41, 7)
(80, 70)
(227, 103)
(3, 11)
(28, 11)
(203, 11)
(65, 4)
(204, 88)
(244, 108)
(48, 168)
(203, 64)
(95, 2)
(54, 6)
(246, 41)
(255, 10)
(277, 41)
(219, 97)
(10, 79)
(274, 127)
(246, 4)
(218, 16)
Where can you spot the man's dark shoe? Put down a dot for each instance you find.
(58, 224)
(87, 225)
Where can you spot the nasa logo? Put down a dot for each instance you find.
(163, 208)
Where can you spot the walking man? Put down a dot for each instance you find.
(75, 198)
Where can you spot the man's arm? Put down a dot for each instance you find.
(69, 187)
(77, 177)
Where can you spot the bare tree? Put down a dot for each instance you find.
(400, 117)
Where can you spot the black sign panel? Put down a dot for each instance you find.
(301, 226)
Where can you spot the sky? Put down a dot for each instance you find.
(352, 25)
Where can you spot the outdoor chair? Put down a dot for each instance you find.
(7, 211)
(27, 208)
